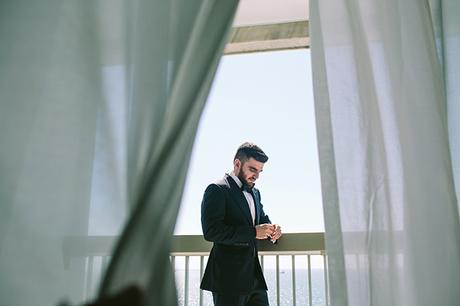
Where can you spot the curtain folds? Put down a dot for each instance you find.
(99, 104)
(446, 24)
(391, 215)
(49, 96)
(158, 160)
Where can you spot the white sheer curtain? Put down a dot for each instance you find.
(391, 216)
(446, 22)
(99, 103)
(49, 96)
(162, 136)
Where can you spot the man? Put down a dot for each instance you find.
(232, 217)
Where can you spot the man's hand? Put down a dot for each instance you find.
(277, 233)
(264, 231)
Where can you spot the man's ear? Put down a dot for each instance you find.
(236, 164)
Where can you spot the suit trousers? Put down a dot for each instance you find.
(257, 297)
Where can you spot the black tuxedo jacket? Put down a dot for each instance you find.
(226, 221)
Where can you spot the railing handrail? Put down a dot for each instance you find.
(196, 245)
(289, 244)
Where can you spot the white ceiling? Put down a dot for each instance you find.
(256, 12)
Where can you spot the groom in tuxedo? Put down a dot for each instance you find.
(232, 217)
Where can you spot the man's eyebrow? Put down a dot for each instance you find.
(254, 168)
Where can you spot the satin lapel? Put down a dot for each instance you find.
(257, 205)
(239, 198)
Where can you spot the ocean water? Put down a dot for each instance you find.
(286, 292)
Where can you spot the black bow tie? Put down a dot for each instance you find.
(246, 188)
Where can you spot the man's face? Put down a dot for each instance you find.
(248, 171)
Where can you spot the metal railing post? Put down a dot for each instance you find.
(293, 280)
(310, 298)
(278, 280)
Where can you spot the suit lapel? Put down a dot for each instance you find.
(257, 205)
(239, 198)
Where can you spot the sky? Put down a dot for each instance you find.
(265, 98)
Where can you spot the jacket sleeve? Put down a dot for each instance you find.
(263, 217)
(212, 220)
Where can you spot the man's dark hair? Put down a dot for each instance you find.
(248, 150)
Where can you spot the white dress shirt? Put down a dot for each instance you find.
(248, 196)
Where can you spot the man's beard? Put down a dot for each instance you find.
(243, 179)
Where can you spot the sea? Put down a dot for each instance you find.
(286, 288)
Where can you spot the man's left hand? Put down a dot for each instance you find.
(277, 232)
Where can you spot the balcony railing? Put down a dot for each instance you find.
(295, 268)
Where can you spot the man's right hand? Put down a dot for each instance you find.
(264, 231)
